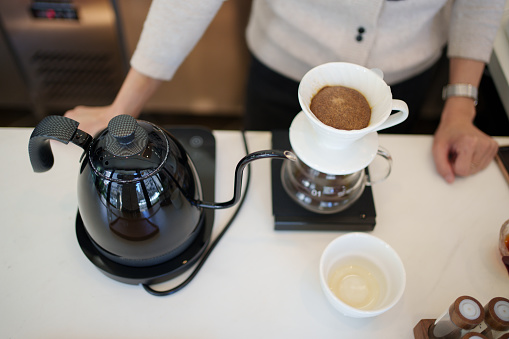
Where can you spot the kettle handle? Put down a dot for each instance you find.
(53, 127)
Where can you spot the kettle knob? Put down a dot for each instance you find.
(122, 128)
(125, 137)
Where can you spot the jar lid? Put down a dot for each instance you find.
(497, 314)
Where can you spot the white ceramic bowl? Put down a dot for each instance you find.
(361, 275)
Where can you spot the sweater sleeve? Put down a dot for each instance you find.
(171, 30)
(473, 27)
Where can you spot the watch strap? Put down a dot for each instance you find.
(460, 90)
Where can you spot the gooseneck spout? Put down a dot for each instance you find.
(267, 154)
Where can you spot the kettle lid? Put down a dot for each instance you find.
(125, 137)
(128, 150)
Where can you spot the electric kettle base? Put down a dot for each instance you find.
(150, 274)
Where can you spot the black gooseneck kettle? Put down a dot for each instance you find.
(139, 194)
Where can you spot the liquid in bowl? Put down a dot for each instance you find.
(358, 282)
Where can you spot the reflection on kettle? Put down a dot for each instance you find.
(135, 230)
(140, 198)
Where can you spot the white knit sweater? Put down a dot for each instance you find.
(401, 37)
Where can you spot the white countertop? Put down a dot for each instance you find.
(258, 283)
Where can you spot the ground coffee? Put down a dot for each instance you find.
(341, 107)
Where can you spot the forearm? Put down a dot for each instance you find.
(459, 148)
(465, 71)
(134, 93)
(462, 71)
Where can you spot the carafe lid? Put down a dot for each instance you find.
(128, 150)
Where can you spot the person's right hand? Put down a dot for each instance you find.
(459, 147)
(136, 89)
(92, 119)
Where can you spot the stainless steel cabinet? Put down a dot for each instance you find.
(58, 54)
(69, 52)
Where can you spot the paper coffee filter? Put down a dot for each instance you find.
(364, 80)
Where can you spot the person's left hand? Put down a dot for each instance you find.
(460, 148)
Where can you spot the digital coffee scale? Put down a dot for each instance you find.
(288, 215)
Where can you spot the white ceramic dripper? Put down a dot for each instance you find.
(336, 151)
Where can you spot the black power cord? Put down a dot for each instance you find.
(207, 253)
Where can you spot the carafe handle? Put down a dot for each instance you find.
(380, 175)
(53, 127)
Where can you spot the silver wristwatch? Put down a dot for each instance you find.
(460, 90)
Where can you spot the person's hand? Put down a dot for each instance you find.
(136, 90)
(92, 119)
(460, 148)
